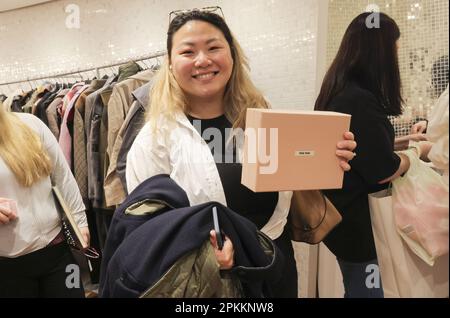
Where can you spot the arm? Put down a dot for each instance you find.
(425, 148)
(63, 178)
(402, 143)
(419, 127)
(374, 134)
(403, 167)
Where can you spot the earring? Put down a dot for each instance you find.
(170, 67)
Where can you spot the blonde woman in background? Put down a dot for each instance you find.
(33, 252)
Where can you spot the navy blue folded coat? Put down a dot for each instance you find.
(140, 249)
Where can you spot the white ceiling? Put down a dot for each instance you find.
(6, 5)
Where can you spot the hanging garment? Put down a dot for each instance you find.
(118, 107)
(20, 100)
(53, 117)
(98, 161)
(46, 100)
(27, 108)
(95, 154)
(79, 139)
(65, 139)
(7, 103)
(133, 123)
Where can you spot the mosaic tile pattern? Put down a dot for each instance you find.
(424, 40)
(279, 37)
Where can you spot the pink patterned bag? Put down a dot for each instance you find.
(421, 209)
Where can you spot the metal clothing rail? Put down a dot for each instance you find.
(79, 71)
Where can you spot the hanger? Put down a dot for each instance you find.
(95, 74)
(141, 62)
(31, 88)
(157, 66)
(58, 79)
(158, 61)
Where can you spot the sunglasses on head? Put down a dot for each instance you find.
(215, 9)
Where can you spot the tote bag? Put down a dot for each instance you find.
(403, 273)
(420, 203)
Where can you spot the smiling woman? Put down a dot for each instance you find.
(224, 54)
(204, 86)
(202, 65)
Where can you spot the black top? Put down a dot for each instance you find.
(257, 207)
(352, 240)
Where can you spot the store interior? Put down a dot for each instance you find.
(289, 45)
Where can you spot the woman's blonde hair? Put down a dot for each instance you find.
(167, 97)
(22, 150)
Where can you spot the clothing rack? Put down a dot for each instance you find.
(96, 69)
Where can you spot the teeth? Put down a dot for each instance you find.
(204, 76)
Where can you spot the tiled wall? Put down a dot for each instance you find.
(424, 38)
(278, 36)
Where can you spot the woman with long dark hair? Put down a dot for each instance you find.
(364, 81)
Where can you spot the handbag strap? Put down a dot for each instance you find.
(323, 217)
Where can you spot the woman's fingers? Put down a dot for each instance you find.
(346, 145)
(4, 219)
(213, 239)
(345, 166)
(345, 150)
(225, 256)
(345, 155)
(348, 135)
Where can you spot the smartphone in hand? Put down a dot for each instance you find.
(219, 236)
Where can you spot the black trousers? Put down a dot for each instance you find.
(41, 274)
(287, 286)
